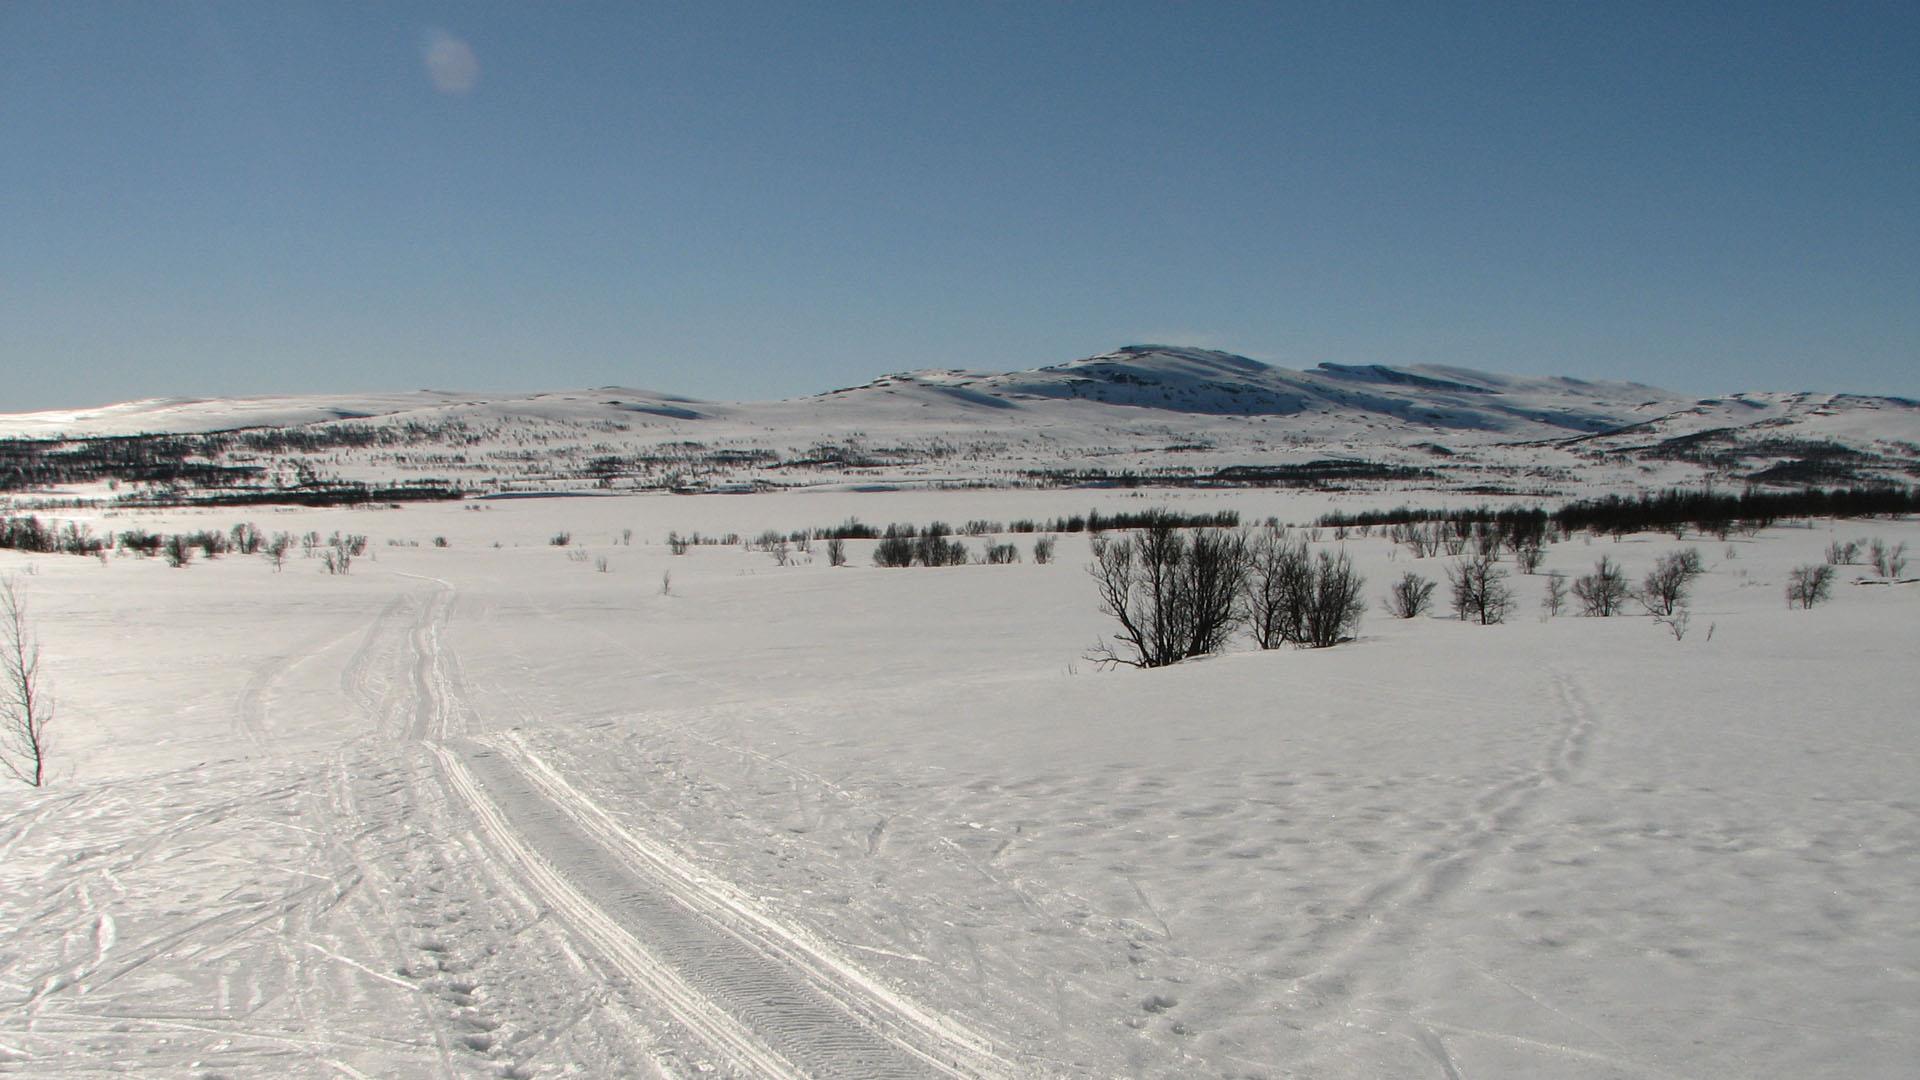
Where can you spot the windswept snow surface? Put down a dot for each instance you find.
(482, 811)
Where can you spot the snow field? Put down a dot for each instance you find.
(1573, 848)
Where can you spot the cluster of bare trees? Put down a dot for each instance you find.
(1180, 593)
(932, 546)
(1887, 560)
(1525, 535)
(1663, 592)
(336, 552)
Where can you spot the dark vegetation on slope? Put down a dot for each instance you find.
(1705, 511)
(1330, 473)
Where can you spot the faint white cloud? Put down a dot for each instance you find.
(451, 64)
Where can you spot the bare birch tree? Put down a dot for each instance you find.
(26, 711)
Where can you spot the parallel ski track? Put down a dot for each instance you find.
(945, 1045)
(760, 996)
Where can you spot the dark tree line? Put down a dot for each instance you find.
(29, 533)
(1703, 511)
(1091, 521)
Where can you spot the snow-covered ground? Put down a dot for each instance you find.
(483, 810)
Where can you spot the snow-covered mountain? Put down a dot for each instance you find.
(1145, 413)
(1209, 383)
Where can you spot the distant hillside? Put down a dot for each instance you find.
(1145, 414)
(1209, 383)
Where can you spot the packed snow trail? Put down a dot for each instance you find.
(757, 994)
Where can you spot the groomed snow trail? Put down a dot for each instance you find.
(762, 997)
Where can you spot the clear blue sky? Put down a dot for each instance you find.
(769, 199)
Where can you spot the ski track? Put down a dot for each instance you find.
(250, 712)
(764, 997)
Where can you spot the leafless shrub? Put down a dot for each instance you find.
(1410, 597)
(1480, 590)
(245, 539)
(1289, 598)
(1555, 601)
(1888, 562)
(1665, 587)
(1809, 585)
(1175, 595)
(1278, 587)
(836, 552)
(1335, 607)
(1043, 550)
(1676, 622)
(933, 548)
(1602, 592)
(893, 551)
(1529, 556)
(277, 549)
(1421, 538)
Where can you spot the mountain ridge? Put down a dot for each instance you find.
(1146, 413)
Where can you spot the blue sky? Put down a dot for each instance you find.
(770, 199)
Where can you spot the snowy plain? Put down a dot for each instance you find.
(484, 810)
